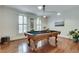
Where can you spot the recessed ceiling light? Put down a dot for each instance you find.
(58, 13)
(39, 7)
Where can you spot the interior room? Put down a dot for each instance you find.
(39, 28)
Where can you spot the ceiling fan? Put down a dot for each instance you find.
(43, 7)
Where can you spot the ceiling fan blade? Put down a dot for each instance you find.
(44, 8)
(51, 11)
(45, 11)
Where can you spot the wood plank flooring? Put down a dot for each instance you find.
(20, 46)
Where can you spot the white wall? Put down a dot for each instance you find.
(44, 22)
(71, 19)
(9, 22)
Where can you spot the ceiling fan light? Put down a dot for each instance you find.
(40, 7)
(44, 16)
(58, 13)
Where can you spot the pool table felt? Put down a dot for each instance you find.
(40, 32)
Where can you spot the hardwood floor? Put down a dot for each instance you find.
(20, 46)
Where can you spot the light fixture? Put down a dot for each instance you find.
(44, 16)
(58, 13)
(39, 7)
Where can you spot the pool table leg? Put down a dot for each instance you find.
(29, 42)
(35, 46)
(56, 41)
(32, 45)
(48, 40)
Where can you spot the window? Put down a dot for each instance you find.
(22, 24)
(38, 24)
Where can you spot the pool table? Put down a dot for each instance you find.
(35, 36)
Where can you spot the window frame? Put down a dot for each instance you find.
(22, 24)
(38, 24)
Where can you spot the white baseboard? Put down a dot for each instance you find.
(64, 36)
(16, 38)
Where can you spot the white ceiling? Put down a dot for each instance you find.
(52, 8)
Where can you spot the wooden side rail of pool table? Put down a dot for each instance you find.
(35, 38)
